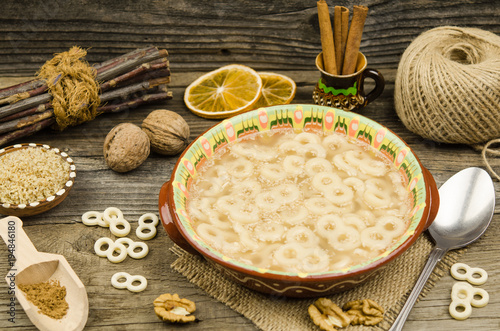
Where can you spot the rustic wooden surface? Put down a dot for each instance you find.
(280, 36)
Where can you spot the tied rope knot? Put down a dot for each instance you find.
(72, 83)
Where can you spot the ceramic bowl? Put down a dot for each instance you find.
(419, 182)
(48, 203)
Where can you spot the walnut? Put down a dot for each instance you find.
(126, 147)
(171, 308)
(366, 312)
(328, 315)
(167, 131)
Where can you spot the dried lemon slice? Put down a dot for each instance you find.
(276, 90)
(224, 92)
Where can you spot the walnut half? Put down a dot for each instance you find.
(327, 315)
(365, 312)
(171, 308)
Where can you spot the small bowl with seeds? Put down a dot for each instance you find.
(33, 178)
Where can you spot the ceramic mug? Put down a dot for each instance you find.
(347, 91)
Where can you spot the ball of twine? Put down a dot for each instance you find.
(447, 86)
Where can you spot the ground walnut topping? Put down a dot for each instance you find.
(365, 312)
(327, 315)
(171, 308)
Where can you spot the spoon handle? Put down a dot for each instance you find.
(434, 257)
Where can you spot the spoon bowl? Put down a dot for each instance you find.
(467, 205)
(34, 267)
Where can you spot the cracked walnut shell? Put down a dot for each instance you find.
(327, 315)
(171, 308)
(365, 312)
(167, 131)
(126, 147)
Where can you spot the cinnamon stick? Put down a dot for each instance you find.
(327, 44)
(340, 30)
(354, 39)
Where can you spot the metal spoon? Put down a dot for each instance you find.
(467, 203)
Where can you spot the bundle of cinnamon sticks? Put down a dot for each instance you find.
(127, 81)
(341, 45)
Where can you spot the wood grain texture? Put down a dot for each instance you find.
(280, 36)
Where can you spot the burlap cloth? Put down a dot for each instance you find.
(389, 288)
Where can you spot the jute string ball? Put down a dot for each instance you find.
(447, 86)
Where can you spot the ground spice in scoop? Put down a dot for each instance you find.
(49, 297)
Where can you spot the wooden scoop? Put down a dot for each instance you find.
(33, 267)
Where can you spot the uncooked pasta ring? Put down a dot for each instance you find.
(302, 235)
(340, 195)
(376, 199)
(132, 247)
(319, 206)
(341, 164)
(120, 227)
(228, 203)
(315, 260)
(317, 165)
(328, 224)
(270, 232)
(92, 218)
(373, 168)
(241, 168)
(355, 183)
(294, 214)
(391, 226)
(287, 192)
(345, 239)
(268, 201)
(289, 254)
(355, 221)
(462, 271)
(334, 142)
(460, 309)
(313, 150)
(272, 172)
(325, 181)
(373, 239)
(307, 138)
(294, 165)
(111, 213)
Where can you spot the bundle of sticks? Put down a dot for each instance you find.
(341, 46)
(127, 81)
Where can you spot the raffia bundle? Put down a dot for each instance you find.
(448, 86)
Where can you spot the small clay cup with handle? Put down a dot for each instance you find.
(347, 91)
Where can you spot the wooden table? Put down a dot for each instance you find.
(279, 36)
